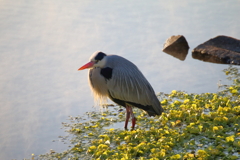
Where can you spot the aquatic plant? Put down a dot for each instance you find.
(193, 126)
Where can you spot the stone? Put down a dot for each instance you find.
(221, 49)
(176, 46)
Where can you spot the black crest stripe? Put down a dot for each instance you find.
(100, 56)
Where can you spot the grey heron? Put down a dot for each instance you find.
(116, 78)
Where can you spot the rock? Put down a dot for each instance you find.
(221, 49)
(176, 46)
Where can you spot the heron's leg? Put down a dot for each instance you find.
(127, 116)
(134, 119)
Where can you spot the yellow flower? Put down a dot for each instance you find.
(191, 124)
(111, 129)
(186, 101)
(153, 150)
(164, 101)
(230, 138)
(102, 146)
(177, 156)
(174, 91)
(225, 118)
(92, 147)
(177, 102)
(162, 153)
(234, 91)
(238, 134)
(194, 106)
(90, 134)
(231, 88)
(202, 153)
(215, 128)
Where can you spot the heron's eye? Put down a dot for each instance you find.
(96, 61)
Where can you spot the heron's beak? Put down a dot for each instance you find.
(88, 65)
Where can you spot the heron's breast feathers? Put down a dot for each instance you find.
(98, 86)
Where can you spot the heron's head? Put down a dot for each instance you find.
(98, 59)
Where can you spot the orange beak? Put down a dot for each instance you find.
(88, 65)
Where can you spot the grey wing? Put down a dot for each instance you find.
(128, 84)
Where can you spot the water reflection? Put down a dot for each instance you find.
(43, 43)
(208, 58)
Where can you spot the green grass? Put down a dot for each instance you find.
(193, 126)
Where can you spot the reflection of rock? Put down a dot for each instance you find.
(221, 49)
(176, 46)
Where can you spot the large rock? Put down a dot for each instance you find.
(221, 49)
(176, 46)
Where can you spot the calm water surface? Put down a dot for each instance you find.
(43, 43)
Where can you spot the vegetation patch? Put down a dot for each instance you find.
(193, 126)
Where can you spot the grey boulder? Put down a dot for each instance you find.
(221, 49)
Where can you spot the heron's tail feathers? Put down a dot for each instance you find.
(154, 111)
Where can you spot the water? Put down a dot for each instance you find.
(43, 43)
